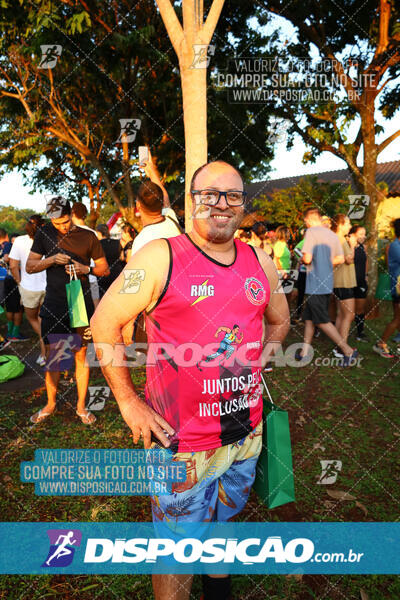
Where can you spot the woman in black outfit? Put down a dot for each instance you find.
(128, 235)
(360, 292)
(112, 251)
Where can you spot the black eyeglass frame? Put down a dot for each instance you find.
(221, 193)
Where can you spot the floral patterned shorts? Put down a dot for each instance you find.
(217, 485)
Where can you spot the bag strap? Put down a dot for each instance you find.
(175, 223)
(72, 273)
(267, 390)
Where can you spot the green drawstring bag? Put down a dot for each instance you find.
(10, 367)
(76, 301)
(274, 481)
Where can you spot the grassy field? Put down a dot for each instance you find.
(349, 415)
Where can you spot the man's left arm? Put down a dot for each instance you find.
(276, 315)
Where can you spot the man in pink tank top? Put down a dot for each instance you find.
(205, 296)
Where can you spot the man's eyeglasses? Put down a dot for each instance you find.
(212, 197)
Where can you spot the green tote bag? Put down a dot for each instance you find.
(76, 302)
(274, 481)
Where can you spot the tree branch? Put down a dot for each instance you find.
(171, 22)
(212, 20)
(384, 17)
(388, 141)
(190, 27)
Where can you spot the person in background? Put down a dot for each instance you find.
(344, 279)
(300, 284)
(281, 250)
(12, 298)
(59, 247)
(149, 204)
(31, 287)
(326, 222)
(150, 169)
(393, 260)
(243, 235)
(128, 235)
(258, 231)
(322, 251)
(357, 235)
(112, 252)
(79, 213)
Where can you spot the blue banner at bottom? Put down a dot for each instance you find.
(145, 548)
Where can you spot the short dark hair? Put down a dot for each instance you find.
(259, 228)
(150, 196)
(36, 220)
(34, 223)
(79, 210)
(355, 228)
(198, 171)
(234, 327)
(312, 211)
(396, 226)
(3, 233)
(103, 229)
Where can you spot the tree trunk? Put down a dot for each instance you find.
(127, 172)
(369, 188)
(194, 92)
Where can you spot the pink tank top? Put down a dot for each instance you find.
(205, 344)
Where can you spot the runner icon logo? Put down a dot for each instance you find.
(330, 471)
(50, 55)
(202, 54)
(97, 397)
(63, 543)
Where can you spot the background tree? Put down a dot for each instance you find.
(287, 206)
(356, 43)
(60, 126)
(13, 220)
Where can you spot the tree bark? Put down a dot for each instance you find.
(194, 92)
(193, 79)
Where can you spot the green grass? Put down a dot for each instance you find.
(350, 415)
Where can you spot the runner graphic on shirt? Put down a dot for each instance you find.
(226, 347)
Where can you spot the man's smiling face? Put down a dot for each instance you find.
(217, 223)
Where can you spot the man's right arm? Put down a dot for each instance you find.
(118, 308)
(35, 264)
